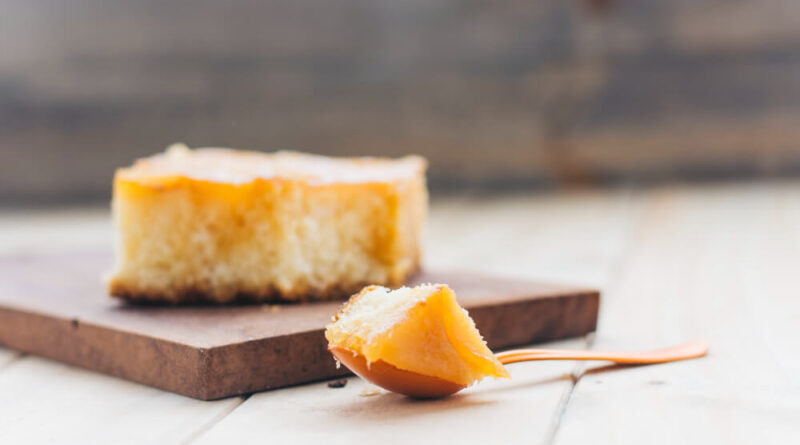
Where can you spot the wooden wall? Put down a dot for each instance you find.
(509, 92)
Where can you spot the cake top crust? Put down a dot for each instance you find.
(223, 165)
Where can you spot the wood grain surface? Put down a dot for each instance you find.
(55, 306)
(675, 263)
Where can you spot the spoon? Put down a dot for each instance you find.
(423, 386)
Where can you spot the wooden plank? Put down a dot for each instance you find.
(716, 263)
(47, 402)
(55, 306)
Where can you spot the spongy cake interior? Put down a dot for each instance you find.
(421, 329)
(222, 225)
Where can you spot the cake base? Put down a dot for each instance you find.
(55, 306)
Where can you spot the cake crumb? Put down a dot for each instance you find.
(370, 391)
(341, 383)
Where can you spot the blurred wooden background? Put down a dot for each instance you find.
(495, 94)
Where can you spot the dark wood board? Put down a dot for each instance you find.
(55, 306)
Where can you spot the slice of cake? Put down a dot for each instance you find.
(222, 225)
(422, 330)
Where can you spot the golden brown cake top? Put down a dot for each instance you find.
(229, 166)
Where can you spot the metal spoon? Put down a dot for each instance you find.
(423, 386)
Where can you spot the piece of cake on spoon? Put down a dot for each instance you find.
(415, 341)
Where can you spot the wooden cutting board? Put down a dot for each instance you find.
(55, 306)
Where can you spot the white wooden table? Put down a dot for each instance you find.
(675, 263)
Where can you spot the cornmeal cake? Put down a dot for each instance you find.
(222, 225)
(421, 329)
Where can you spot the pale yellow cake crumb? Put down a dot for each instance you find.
(222, 225)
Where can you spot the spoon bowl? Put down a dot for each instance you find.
(380, 373)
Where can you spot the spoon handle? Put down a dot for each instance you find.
(681, 352)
